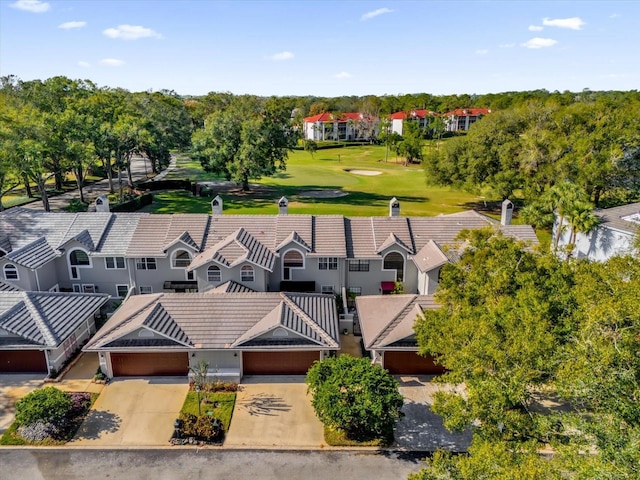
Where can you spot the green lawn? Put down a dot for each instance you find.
(223, 412)
(326, 170)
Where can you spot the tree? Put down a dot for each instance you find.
(355, 396)
(246, 141)
(310, 146)
(410, 147)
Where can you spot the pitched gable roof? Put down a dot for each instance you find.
(417, 113)
(230, 287)
(155, 233)
(44, 318)
(387, 319)
(615, 217)
(237, 248)
(33, 255)
(429, 257)
(202, 320)
(293, 237)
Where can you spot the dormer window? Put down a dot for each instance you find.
(78, 259)
(214, 274)
(247, 273)
(181, 259)
(292, 259)
(10, 272)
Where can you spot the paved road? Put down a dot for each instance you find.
(177, 464)
(140, 169)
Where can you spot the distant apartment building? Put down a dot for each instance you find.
(350, 126)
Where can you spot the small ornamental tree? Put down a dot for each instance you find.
(45, 404)
(355, 396)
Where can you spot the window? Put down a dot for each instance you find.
(114, 263)
(122, 290)
(89, 288)
(79, 258)
(181, 259)
(246, 273)
(291, 259)
(10, 272)
(146, 263)
(214, 274)
(394, 261)
(326, 288)
(77, 288)
(358, 265)
(144, 290)
(355, 291)
(328, 263)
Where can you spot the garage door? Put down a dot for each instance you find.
(148, 364)
(278, 363)
(22, 361)
(410, 363)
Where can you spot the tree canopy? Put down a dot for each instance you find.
(547, 351)
(355, 396)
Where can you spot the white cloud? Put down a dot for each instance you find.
(70, 25)
(538, 42)
(342, 75)
(535, 28)
(507, 45)
(282, 56)
(84, 64)
(573, 23)
(614, 15)
(131, 32)
(34, 6)
(375, 13)
(482, 51)
(111, 62)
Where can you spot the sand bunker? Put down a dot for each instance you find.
(323, 193)
(369, 173)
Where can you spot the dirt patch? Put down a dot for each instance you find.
(368, 173)
(323, 193)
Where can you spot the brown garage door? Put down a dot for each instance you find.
(410, 363)
(148, 364)
(22, 361)
(278, 363)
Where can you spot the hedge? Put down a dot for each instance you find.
(165, 185)
(133, 205)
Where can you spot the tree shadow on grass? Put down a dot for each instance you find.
(96, 424)
(264, 404)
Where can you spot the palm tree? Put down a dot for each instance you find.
(561, 199)
(581, 219)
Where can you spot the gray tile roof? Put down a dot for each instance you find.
(387, 320)
(230, 287)
(236, 248)
(118, 234)
(221, 321)
(45, 318)
(33, 255)
(612, 217)
(7, 287)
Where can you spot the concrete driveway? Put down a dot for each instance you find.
(137, 411)
(12, 388)
(274, 412)
(421, 429)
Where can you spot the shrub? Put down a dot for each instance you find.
(189, 424)
(355, 396)
(208, 427)
(80, 403)
(38, 431)
(76, 205)
(46, 404)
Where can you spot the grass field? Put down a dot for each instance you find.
(327, 170)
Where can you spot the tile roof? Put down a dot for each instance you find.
(235, 249)
(219, 321)
(7, 287)
(46, 318)
(469, 112)
(418, 113)
(33, 255)
(230, 287)
(429, 257)
(334, 117)
(388, 319)
(613, 217)
(154, 233)
(118, 234)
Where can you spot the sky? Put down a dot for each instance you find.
(325, 48)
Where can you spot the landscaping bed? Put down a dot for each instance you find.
(48, 430)
(338, 438)
(206, 415)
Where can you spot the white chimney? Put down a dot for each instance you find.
(283, 206)
(216, 205)
(507, 213)
(102, 204)
(394, 207)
